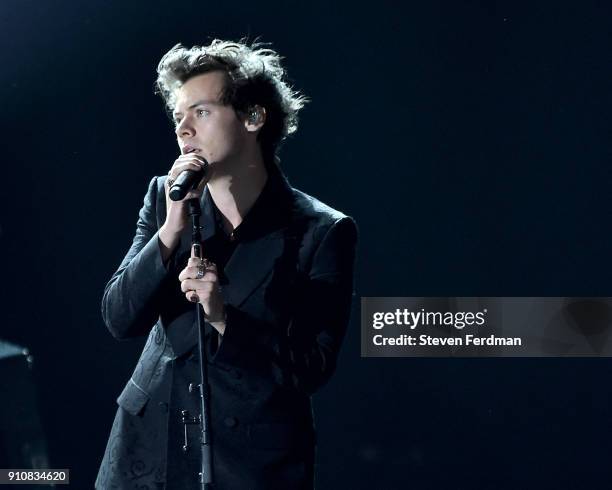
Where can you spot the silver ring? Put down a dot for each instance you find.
(201, 271)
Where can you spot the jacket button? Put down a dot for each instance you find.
(230, 422)
(163, 406)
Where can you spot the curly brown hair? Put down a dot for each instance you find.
(254, 77)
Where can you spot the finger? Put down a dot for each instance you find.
(179, 167)
(192, 274)
(188, 273)
(191, 285)
(189, 160)
(197, 284)
(207, 277)
(175, 172)
(210, 276)
(192, 157)
(195, 261)
(198, 295)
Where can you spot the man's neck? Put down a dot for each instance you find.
(235, 192)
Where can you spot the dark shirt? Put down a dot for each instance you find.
(220, 247)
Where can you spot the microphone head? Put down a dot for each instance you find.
(186, 181)
(177, 193)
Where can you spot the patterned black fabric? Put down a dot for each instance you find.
(287, 286)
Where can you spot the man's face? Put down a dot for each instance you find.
(203, 124)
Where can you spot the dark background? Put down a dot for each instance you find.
(470, 141)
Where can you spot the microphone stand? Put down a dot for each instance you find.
(206, 466)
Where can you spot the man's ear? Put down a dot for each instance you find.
(255, 118)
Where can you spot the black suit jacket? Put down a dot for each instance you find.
(287, 289)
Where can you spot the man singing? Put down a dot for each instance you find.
(275, 288)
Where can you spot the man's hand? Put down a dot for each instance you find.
(200, 283)
(176, 211)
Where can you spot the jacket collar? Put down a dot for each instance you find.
(271, 211)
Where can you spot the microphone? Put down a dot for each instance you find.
(187, 180)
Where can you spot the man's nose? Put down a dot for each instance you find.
(183, 128)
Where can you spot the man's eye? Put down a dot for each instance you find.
(202, 112)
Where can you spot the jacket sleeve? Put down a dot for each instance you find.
(129, 303)
(304, 356)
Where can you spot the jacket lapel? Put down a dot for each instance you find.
(249, 265)
(247, 269)
(254, 257)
